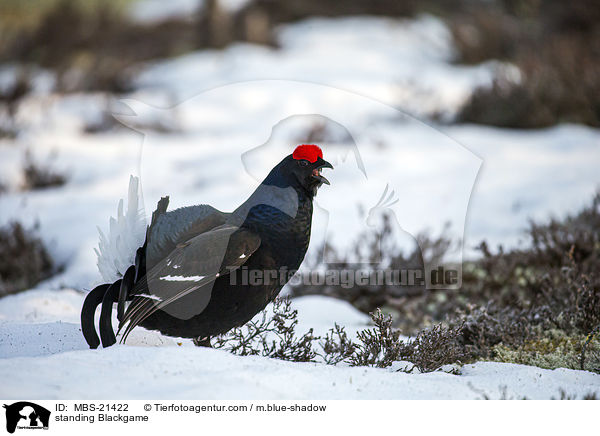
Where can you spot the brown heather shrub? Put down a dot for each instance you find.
(379, 346)
(38, 175)
(94, 46)
(566, 396)
(367, 249)
(337, 346)
(256, 338)
(24, 260)
(485, 33)
(556, 46)
(558, 84)
(436, 347)
(528, 305)
(281, 12)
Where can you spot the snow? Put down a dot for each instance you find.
(405, 63)
(153, 11)
(43, 338)
(528, 175)
(208, 126)
(214, 374)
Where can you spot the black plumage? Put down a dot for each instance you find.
(190, 278)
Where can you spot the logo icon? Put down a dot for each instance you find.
(26, 415)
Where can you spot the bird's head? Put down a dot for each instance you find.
(301, 169)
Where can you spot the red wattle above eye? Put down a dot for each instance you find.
(310, 152)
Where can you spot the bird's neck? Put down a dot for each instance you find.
(291, 202)
(282, 216)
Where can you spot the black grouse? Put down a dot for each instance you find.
(202, 272)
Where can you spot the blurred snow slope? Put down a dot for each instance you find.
(209, 150)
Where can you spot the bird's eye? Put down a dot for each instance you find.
(303, 162)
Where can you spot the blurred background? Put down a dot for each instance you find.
(514, 82)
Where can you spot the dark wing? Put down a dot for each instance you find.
(168, 229)
(192, 266)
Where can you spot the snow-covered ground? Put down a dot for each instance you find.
(43, 351)
(224, 118)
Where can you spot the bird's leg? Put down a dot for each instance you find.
(202, 342)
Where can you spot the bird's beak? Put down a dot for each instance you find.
(318, 166)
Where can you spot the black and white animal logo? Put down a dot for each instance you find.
(26, 415)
